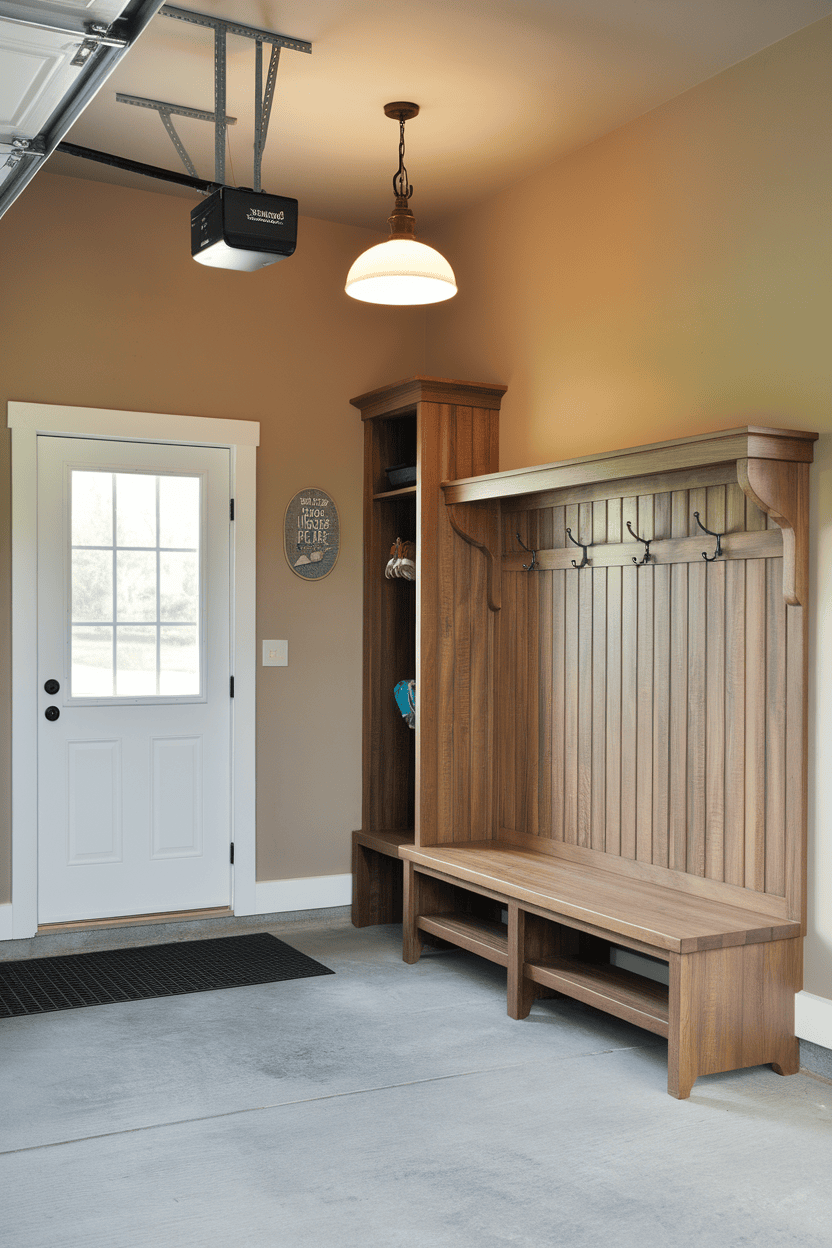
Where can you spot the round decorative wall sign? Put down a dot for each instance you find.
(311, 534)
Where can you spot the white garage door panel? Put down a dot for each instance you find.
(35, 74)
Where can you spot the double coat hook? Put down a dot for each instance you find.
(528, 567)
(584, 561)
(645, 542)
(719, 536)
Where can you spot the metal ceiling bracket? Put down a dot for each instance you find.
(219, 103)
(262, 100)
(235, 28)
(165, 109)
(263, 105)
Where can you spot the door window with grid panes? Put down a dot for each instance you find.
(136, 628)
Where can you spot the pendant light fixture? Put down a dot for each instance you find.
(402, 270)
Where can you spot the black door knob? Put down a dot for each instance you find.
(52, 687)
(52, 712)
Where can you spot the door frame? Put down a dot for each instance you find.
(27, 422)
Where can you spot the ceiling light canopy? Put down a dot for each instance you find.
(402, 270)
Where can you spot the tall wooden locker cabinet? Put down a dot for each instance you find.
(447, 430)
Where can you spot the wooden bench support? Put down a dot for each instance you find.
(732, 1008)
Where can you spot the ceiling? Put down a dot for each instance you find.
(505, 87)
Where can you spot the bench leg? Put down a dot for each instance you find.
(530, 937)
(789, 1063)
(411, 936)
(731, 1008)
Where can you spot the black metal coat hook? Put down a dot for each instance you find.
(584, 561)
(645, 542)
(710, 532)
(527, 567)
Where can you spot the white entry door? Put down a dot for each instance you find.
(134, 747)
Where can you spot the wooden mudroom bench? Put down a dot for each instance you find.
(609, 756)
(563, 920)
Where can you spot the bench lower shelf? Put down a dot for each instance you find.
(609, 988)
(488, 940)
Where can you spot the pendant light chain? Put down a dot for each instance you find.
(401, 184)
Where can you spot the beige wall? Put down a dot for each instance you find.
(674, 277)
(102, 306)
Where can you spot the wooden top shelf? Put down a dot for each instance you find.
(653, 914)
(750, 442)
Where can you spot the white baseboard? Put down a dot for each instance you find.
(813, 1018)
(6, 921)
(315, 892)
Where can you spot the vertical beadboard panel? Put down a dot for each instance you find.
(661, 689)
(585, 609)
(678, 750)
(715, 705)
(558, 677)
(775, 865)
(644, 709)
(755, 711)
(570, 761)
(507, 721)
(599, 686)
(629, 690)
(645, 677)
(697, 689)
(796, 742)
(543, 706)
(613, 685)
(522, 591)
(734, 840)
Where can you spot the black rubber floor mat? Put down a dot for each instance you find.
(40, 985)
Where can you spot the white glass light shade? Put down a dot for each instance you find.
(401, 271)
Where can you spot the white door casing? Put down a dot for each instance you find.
(27, 421)
(134, 809)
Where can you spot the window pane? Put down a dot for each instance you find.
(135, 509)
(136, 571)
(135, 662)
(179, 660)
(92, 585)
(92, 508)
(179, 511)
(179, 587)
(92, 662)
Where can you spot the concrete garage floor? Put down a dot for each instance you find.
(388, 1106)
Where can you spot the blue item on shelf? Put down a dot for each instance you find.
(405, 695)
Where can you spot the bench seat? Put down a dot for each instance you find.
(733, 971)
(662, 918)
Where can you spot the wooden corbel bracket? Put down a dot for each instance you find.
(780, 488)
(493, 565)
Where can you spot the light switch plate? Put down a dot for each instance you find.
(275, 654)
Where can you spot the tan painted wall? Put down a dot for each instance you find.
(671, 278)
(102, 306)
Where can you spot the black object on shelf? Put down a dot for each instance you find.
(400, 475)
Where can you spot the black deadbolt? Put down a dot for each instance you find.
(52, 687)
(52, 712)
